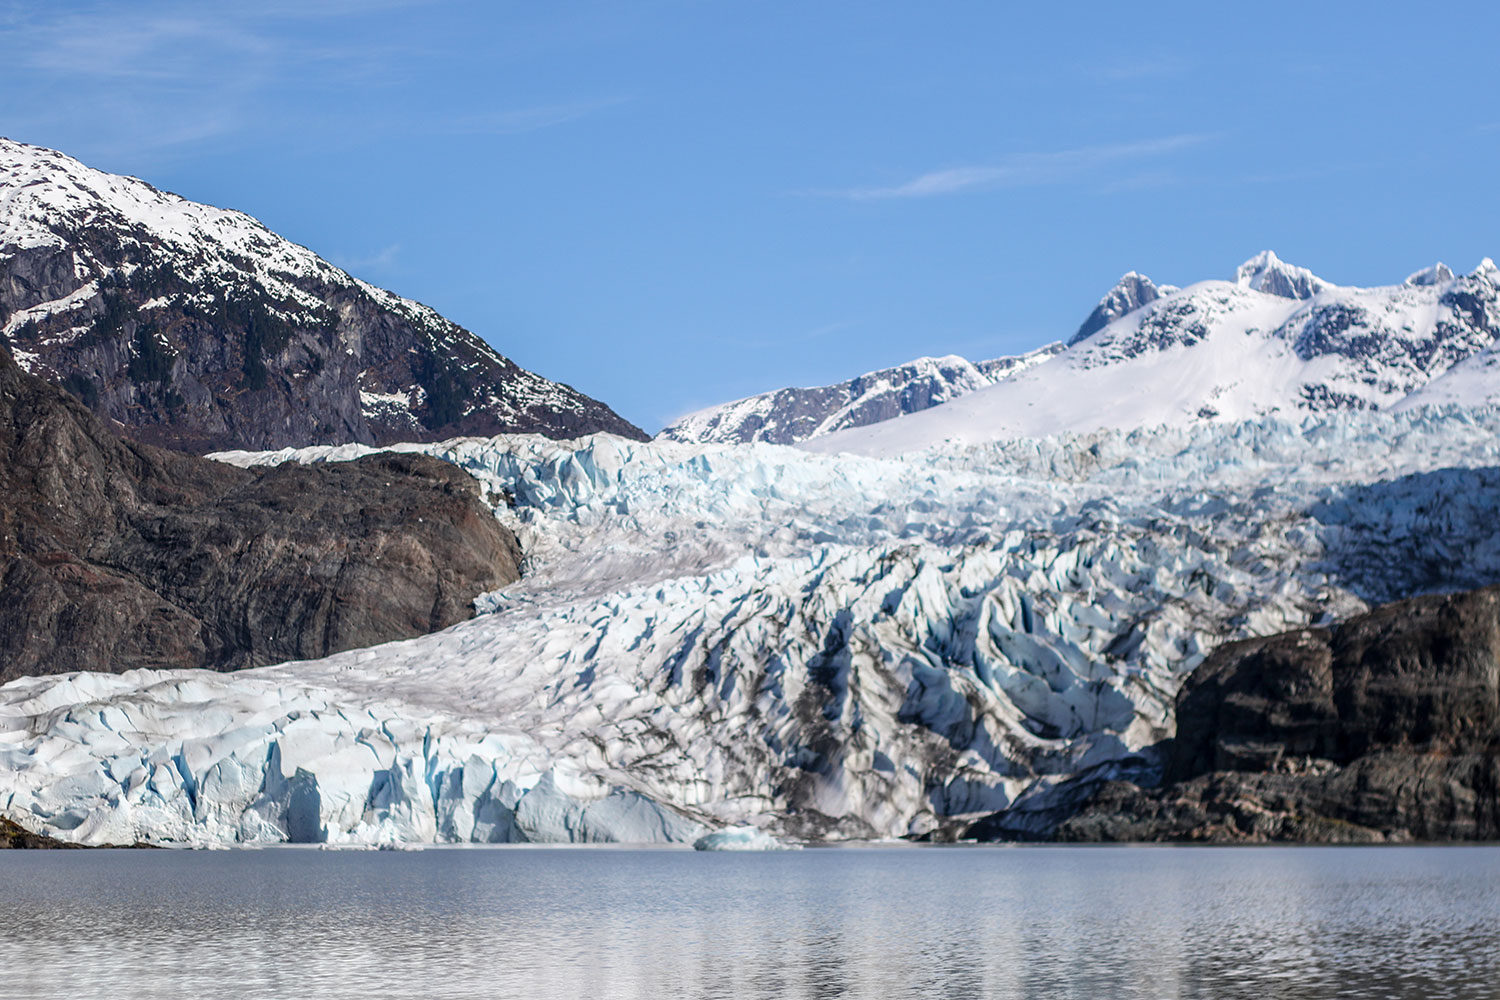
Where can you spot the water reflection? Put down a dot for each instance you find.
(1027, 922)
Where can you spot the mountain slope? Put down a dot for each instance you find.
(786, 416)
(1130, 293)
(116, 555)
(199, 328)
(1278, 340)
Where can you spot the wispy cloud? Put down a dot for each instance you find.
(828, 329)
(1025, 169)
(383, 260)
(147, 49)
(1144, 180)
(1140, 68)
(134, 84)
(516, 120)
(1301, 175)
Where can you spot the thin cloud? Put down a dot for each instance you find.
(333, 8)
(1306, 174)
(381, 261)
(1142, 68)
(133, 88)
(1145, 180)
(828, 329)
(1025, 169)
(124, 48)
(517, 120)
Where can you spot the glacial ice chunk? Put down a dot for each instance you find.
(741, 838)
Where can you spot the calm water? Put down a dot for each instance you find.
(901, 922)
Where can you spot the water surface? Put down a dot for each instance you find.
(1045, 922)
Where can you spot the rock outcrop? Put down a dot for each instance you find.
(1266, 272)
(200, 329)
(116, 555)
(1132, 291)
(1386, 728)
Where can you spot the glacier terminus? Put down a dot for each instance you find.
(819, 646)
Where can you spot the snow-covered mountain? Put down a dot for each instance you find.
(1277, 340)
(198, 328)
(786, 416)
(820, 645)
(1132, 291)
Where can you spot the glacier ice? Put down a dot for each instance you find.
(199, 758)
(818, 646)
(740, 838)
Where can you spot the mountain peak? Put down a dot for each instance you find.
(1437, 274)
(199, 328)
(1266, 272)
(1132, 291)
(791, 415)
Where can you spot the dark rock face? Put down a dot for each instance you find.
(1130, 293)
(1386, 728)
(1468, 321)
(199, 329)
(116, 555)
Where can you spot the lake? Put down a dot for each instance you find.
(1046, 922)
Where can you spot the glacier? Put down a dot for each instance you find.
(819, 646)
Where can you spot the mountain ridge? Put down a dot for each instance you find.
(198, 328)
(1276, 340)
(789, 415)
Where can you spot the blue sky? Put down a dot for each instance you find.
(672, 204)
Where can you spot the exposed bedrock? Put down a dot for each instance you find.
(1385, 728)
(116, 555)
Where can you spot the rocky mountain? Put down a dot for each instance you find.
(200, 329)
(787, 416)
(1266, 272)
(116, 555)
(1130, 293)
(1276, 341)
(1386, 728)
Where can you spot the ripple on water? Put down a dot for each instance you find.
(897, 922)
